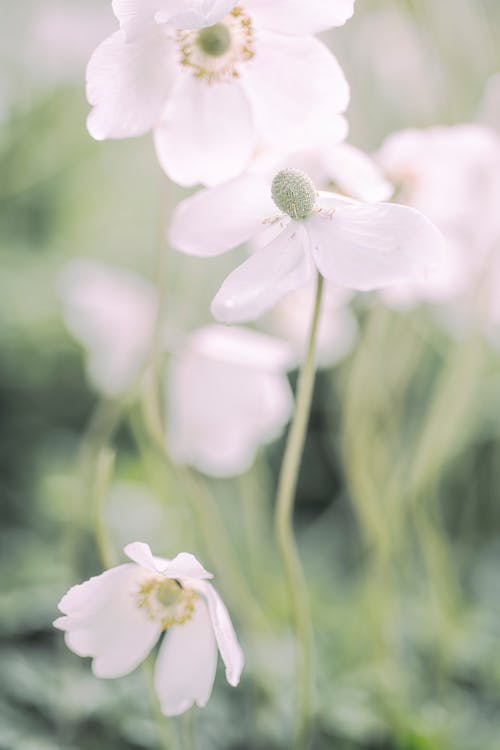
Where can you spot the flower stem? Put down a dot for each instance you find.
(287, 485)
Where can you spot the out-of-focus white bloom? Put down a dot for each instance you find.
(117, 617)
(213, 95)
(227, 393)
(355, 245)
(452, 174)
(227, 390)
(112, 313)
(337, 328)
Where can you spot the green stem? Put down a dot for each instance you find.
(287, 486)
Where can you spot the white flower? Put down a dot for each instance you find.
(117, 617)
(356, 245)
(227, 393)
(452, 174)
(112, 313)
(213, 95)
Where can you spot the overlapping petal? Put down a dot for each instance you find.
(301, 16)
(92, 610)
(368, 246)
(268, 275)
(206, 134)
(229, 647)
(186, 664)
(128, 84)
(218, 219)
(296, 87)
(184, 565)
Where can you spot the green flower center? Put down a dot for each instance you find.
(214, 40)
(165, 601)
(294, 193)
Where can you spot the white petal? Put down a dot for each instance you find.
(111, 312)
(300, 16)
(103, 621)
(217, 219)
(128, 84)
(227, 394)
(368, 246)
(240, 347)
(186, 664)
(207, 134)
(356, 174)
(296, 87)
(196, 13)
(137, 17)
(268, 275)
(183, 565)
(229, 647)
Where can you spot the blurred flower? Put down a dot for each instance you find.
(112, 313)
(356, 245)
(227, 393)
(452, 174)
(118, 616)
(337, 329)
(227, 389)
(213, 94)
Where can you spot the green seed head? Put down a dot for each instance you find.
(294, 193)
(214, 40)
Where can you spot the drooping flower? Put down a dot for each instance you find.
(112, 313)
(227, 394)
(213, 95)
(355, 245)
(117, 617)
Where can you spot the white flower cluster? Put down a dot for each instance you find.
(242, 98)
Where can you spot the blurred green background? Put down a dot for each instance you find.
(398, 515)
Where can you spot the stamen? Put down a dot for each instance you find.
(216, 53)
(166, 601)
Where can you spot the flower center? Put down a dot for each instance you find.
(294, 193)
(215, 40)
(166, 601)
(216, 53)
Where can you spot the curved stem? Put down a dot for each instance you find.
(287, 485)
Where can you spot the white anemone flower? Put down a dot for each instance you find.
(355, 245)
(212, 95)
(227, 394)
(117, 617)
(112, 313)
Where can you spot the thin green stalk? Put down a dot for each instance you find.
(287, 485)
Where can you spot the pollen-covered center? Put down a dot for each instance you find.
(216, 53)
(294, 193)
(166, 601)
(215, 40)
